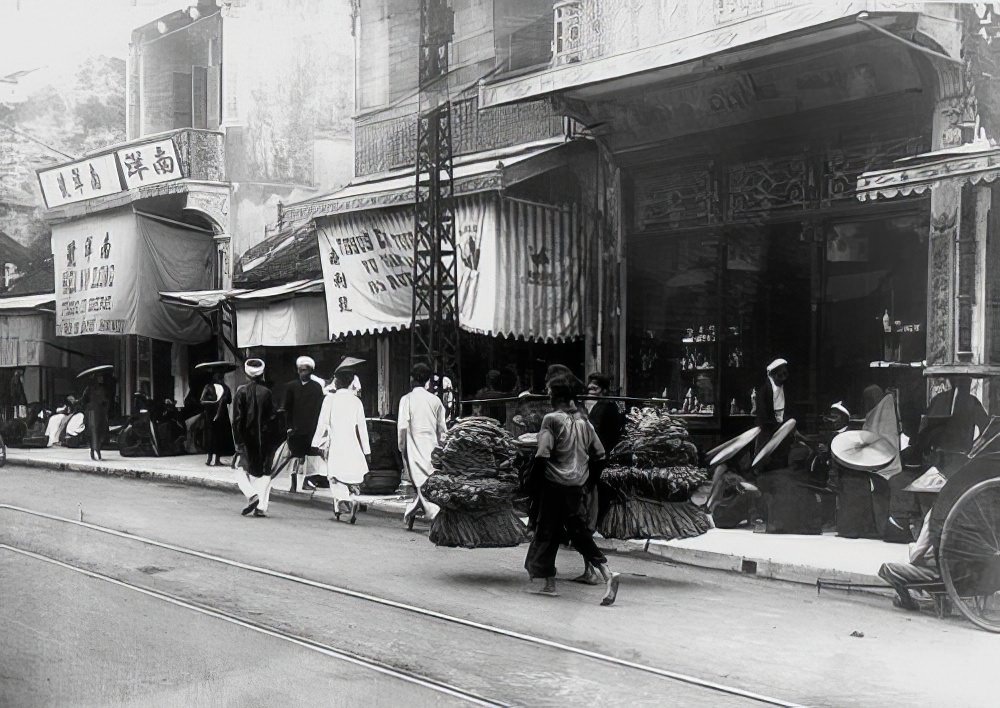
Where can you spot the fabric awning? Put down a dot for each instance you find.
(520, 269)
(203, 300)
(278, 292)
(111, 267)
(287, 315)
(492, 170)
(44, 301)
(972, 163)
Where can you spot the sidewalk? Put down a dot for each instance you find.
(799, 559)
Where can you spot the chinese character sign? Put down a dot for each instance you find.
(367, 262)
(94, 285)
(110, 270)
(149, 163)
(75, 182)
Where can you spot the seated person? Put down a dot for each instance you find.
(170, 430)
(55, 425)
(733, 501)
(75, 433)
(922, 568)
(35, 435)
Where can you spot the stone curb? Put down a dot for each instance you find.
(761, 568)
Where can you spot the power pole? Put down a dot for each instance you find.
(434, 333)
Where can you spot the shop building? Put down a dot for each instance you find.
(740, 131)
(535, 210)
(219, 133)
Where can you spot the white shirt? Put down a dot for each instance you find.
(778, 394)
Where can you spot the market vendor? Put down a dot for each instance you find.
(773, 409)
(566, 442)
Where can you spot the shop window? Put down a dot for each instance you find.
(767, 315)
(993, 281)
(874, 311)
(673, 321)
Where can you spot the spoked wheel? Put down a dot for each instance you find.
(969, 554)
(3, 453)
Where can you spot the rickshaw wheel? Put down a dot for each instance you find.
(969, 554)
(3, 452)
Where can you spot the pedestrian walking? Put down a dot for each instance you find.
(215, 400)
(342, 436)
(253, 430)
(96, 401)
(419, 427)
(302, 402)
(566, 443)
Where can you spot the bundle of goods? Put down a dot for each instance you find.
(652, 474)
(474, 482)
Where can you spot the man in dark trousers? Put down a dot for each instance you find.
(566, 442)
(253, 423)
(302, 403)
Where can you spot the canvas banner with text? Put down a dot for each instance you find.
(110, 269)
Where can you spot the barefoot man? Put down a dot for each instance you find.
(566, 443)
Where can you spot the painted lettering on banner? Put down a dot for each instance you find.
(367, 262)
(95, 274)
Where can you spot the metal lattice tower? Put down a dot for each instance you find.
(434, 333)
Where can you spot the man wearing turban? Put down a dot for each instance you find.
(253, 429)
(301, 406)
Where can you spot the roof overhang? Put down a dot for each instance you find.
(493, 170)
(207, 300)
(972, 163)
(28, 304)
(798, 24)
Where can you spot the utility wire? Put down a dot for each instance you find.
(35, 140)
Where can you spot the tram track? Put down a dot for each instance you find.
(371, 599)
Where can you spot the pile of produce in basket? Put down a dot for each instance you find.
(474, 482)
(651, 476)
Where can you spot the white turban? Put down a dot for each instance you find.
(253, 367)
(839, 406)
(775, 364)
(305, 361)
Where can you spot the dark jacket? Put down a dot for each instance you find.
(608, 421)
(301, 406)
(253, 427)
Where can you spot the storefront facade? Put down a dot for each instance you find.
(523, 260)
(127, 223)
(739, 145)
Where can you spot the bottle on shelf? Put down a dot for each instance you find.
(733, 408)
(688, 400)
(886, 322)
(753, 402)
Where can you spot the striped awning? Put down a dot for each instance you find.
(520, 269)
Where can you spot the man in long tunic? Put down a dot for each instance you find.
(420, 426)
(302, 403)
(253, 420)
(342, 434)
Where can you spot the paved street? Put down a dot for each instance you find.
(81, 640)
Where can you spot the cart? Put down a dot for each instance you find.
(964, 528)
(965, 532)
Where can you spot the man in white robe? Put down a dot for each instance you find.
(342, 435)
(420, 426)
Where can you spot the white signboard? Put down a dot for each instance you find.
(149, 163)
(95, 274)
(75, 182)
